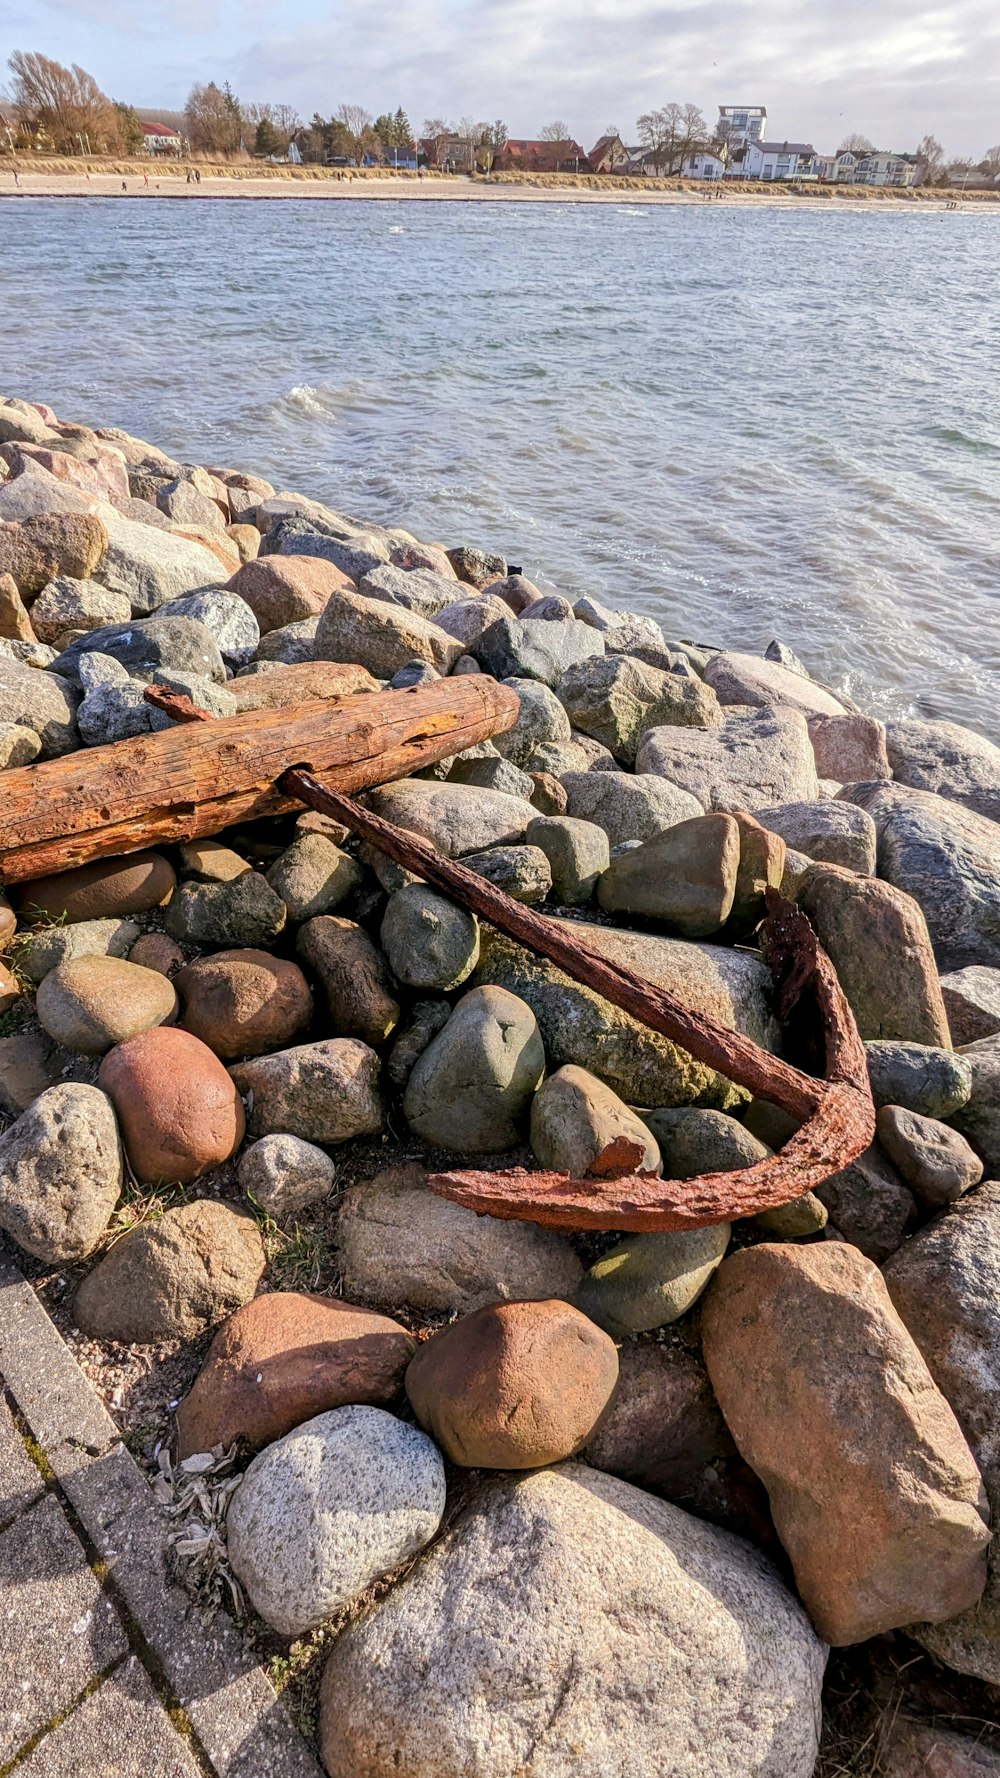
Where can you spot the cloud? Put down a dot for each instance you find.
(821, 70)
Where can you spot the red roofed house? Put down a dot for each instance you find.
(610, 155)
(159, 138)
(520, 155)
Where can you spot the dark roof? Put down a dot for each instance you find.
(786, 148)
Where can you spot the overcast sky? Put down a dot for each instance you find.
(893, 69)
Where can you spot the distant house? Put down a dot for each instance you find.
(404, 158)
(780, 160)
(739, 125)
(708, 163)
(160, 139)
(611, 155)
(518, 154)
(877, 168)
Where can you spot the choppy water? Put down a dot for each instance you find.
(749, 423)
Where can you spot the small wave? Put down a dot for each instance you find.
(303, 395)
(397, 230)
(953, 435)
(630, 212)
(324, 400)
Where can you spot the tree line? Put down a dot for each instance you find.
(65, 109)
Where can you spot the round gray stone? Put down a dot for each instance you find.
(60, 1173)
(325, 1511)
(283, 1174)
(472, 1086)
(430, 943)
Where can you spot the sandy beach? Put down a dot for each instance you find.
(171, 182)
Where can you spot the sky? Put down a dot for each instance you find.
(891, 69)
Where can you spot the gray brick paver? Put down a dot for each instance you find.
(20, 1478)
(120, 1731)
(57, 1628)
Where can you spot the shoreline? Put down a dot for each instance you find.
(167, 186)
(295, 1027)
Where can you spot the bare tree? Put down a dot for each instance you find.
(672, 134)
(493, 144)
(65, 104)
(470, 134)
(436, 133)
(929, 151)
(214, 119)
(359, 133)
(990, 163)
(857, 145)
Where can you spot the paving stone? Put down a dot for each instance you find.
(51, 1391)
(232, 1705)
(57, 1629)
(20, 1479)
(121, 1729)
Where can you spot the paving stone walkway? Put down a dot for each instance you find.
(106, 1670)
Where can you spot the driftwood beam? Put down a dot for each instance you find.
(837, 1111)
(173, 785)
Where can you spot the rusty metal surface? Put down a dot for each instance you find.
(838, 1113)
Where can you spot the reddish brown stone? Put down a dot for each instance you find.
(179, 1112)
(104, 476)
(665, 1433)
(761, 867)
(353, 975)
(155, 950)
(15, 624)
(106, 890)
(36, 550)
(877, 938)
(9, 989)
(284, 1358)
(244, 1003)
(246, 539)
(284, 589)
(548, 796)
(874, 1491)
(514, 1385)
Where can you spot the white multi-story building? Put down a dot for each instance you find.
(780, 160)
(878, 168)
(739, 124)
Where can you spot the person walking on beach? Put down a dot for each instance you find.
(124, 186)
(145, 179)
(17, 177)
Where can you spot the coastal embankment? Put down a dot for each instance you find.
(538, 1223)
(140, 179)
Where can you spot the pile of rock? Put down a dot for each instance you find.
(237, 1016)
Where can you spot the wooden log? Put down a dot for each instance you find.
(178, 784)
(838, 1113)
